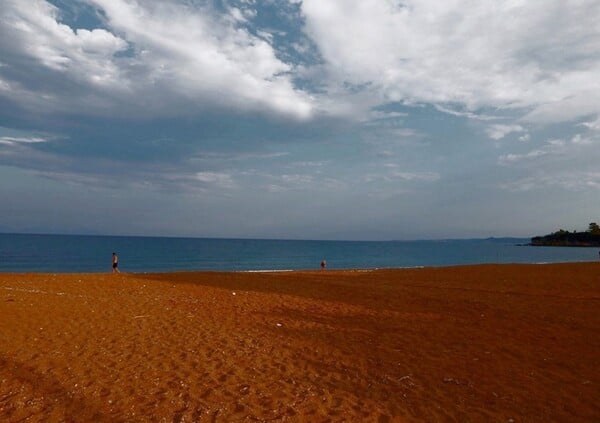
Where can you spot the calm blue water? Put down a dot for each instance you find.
(83, 253)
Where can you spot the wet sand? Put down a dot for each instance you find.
(471, 343)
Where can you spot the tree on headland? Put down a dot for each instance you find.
(562, 238)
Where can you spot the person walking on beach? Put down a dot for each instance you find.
(115, 263)
(323, 264)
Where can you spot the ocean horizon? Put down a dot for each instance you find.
(92, 253)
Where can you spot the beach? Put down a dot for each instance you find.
(467, 343)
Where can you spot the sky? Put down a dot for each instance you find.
(312, 119)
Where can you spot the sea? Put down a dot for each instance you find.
(90, 253)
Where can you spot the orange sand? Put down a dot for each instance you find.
(473, 343)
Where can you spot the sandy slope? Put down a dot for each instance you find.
(473, 343)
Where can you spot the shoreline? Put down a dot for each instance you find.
(307, 270)
(472, 343)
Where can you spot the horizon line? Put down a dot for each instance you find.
(266, 238)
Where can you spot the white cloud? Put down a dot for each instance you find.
(395, 175)
(579, 148)
(525, 138)
(217, 179)
(310, 163)
(233, 157)
(22, 140)
(540, 59)
(381, 114)
(204, 58)
(538, 56)
(468, 114)
(579, 99)
(416, 176)
(277, 182)
(81, 53)
(299, 180)
(593, 125)
(571, 181)
(568, 163)
(285, 182)
(174, 55)
(499, 131)
(582, 140)
(513, 158)
(550, 147)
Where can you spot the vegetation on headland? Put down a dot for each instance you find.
(562, 238)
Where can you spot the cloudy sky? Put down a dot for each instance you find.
(318, 119)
